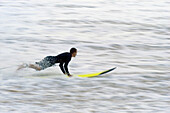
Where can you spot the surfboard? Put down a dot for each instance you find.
(97, 74)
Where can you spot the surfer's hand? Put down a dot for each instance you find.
(70, 75)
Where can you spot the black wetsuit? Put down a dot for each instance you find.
(63, 59)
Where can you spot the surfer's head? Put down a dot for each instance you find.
(73, 52)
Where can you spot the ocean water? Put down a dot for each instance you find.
(132, 35)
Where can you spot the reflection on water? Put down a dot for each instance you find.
(131, 35)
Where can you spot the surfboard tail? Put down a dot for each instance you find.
(107, 71)
(97, 74)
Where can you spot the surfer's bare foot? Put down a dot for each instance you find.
(22, 66)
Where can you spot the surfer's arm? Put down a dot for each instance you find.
(66, 68)
(62, 68)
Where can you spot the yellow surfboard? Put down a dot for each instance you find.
(97, 74)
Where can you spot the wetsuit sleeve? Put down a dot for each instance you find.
(66, 67)
(61, 67)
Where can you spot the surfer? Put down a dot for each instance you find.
(63, 59)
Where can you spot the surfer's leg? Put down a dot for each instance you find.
(34, 67)
(43, 64)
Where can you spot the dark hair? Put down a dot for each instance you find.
(72, 50)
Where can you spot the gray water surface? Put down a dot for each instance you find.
(132, 35)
